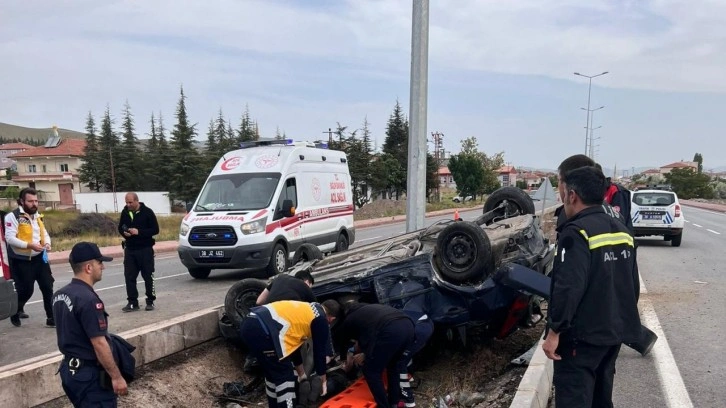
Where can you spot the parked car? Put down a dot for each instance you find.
(490, 272)
(459, 199)
(657, 212)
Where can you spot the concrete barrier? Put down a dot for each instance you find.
(535, 388)
(32, 382)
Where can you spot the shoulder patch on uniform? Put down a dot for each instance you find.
(99, 306)
(616, 208)
(9, 224)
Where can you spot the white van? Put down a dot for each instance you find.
(262, 202)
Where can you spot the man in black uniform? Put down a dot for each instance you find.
(621, 204)
(138, 225)
(286, 287)
(82, 330)
(383, 334)
(593, 304)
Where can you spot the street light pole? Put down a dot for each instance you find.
(589, 91)
(588, 140)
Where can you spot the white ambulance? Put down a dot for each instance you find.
(262, 202)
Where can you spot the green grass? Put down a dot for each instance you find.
(57, 221)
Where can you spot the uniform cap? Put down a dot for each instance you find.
(86, 251)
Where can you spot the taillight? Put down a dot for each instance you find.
(678, 210)
(517, 311)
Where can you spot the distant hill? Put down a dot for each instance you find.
(21, 133)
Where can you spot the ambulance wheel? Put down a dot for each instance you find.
(242, 297)
(517, 201)
(342, 244)
(463, 252)
(200, 273)
(306, 253)
(278, 260)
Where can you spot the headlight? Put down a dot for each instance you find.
(183, 230)
(254, 227)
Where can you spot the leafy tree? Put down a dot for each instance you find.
(184, 168)
(522, 184)
(468, 173)
(396, 146)
(90, 170)
(487, 178)
(432, 180)
(130, 174)
(688, 183)
(108, 143)
(385, 174)
(699, 159)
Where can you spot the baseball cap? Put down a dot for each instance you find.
(86, 251)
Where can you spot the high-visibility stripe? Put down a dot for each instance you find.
(608, 239)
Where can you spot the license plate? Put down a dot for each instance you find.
(652, 216)
(211, 254)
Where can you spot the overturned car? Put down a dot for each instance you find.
(490, 272)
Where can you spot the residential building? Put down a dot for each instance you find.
(446, 180)
(507, 176)
(9, 149)
(52, 169)
(678, 165)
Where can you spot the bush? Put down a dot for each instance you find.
(93, 223)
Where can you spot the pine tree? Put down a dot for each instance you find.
(225, 143)
(89, 172)
(396, 145)
(151, 154)
(278, 135)
(246, 131)
(108, 144)
(129, 175)
(184, 169)
(212, 145)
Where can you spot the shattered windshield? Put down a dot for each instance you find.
(238, 192)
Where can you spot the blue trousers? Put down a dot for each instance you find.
(84, 387)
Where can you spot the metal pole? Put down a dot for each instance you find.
(113, 180)
(416, 183)
(587, 123)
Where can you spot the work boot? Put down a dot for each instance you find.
(149, 307)
(15, 320)
(22, 314)
(130, 308)
(50, 322)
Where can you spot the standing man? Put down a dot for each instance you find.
(82, 332)
(138, 225)
(593, 304)
(28, 243)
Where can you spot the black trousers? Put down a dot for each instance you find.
(584, 377)
(389, 353)
(135, 261)
(26, 273)
(83, 387)
(280, 378)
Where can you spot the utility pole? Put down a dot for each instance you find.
(416, 183)
(438, 156)
(330, 136)
(589, 89)
(113, 179)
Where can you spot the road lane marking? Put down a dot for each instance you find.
(696, 225)
(367, 239)
(671, 382)
(123, 286)
(710, 230)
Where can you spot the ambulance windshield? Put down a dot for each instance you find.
(238, 192)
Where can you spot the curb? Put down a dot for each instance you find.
(33, 382)
(536, 386)
(704, 206)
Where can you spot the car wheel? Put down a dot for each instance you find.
(463, 252)
(278, 260)
(200, 273)
(242, 297)
(518, 201)
(342, 244)
(307, 252)
(676, 240)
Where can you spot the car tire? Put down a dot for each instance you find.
(463, 252)
(242, 297)
(517, 200)
(676, 240)
(342, 243)
(307, 252)
(200, 273)
(278, 260)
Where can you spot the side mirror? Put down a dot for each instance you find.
(287, 209)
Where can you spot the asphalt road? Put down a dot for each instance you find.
(686, 290)
(177, 294)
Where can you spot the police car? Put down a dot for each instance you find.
(657, 212)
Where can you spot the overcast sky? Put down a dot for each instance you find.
(498, 70)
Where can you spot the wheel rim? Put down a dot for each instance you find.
(245, 302)
(460, 252)
(280, 261)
